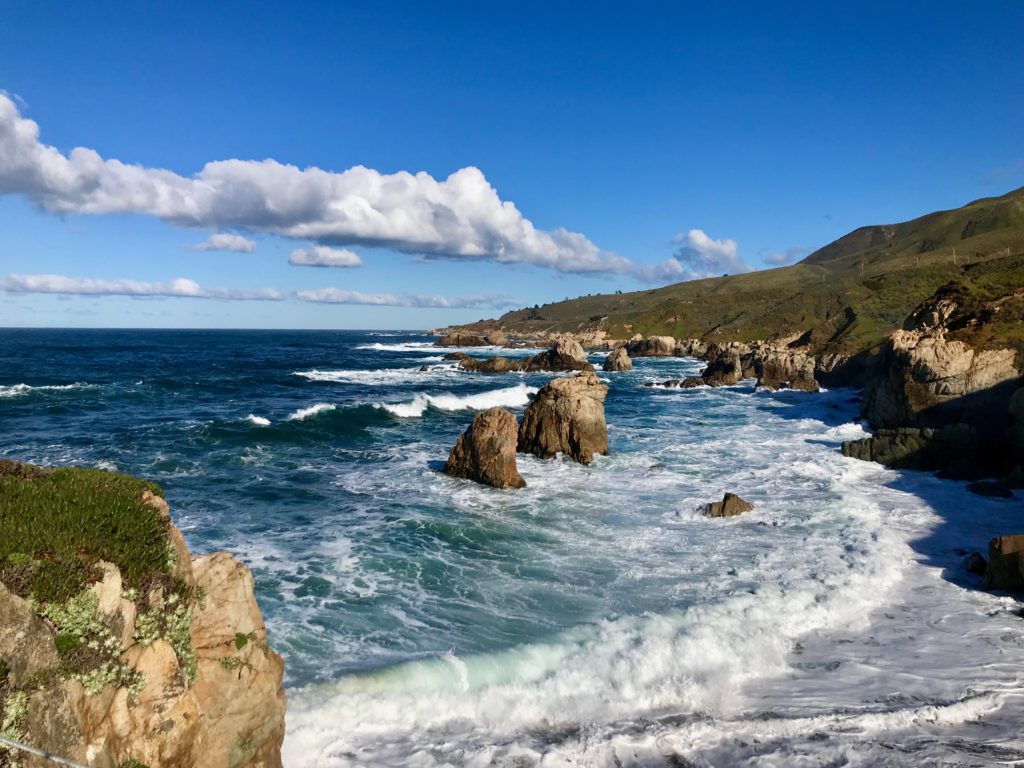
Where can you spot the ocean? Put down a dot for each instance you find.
(594, 618)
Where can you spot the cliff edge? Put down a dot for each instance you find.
(117, 647)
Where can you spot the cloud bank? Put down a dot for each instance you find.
(226, 242)
(339, 296)
(322, 256)
(87, 286)
(460, 217)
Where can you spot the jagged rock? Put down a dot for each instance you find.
(496, 338)
(565, 355)
(567, 417)
(952, 448)
(729, 506)
(920, 372)
(786, 369)
(618, 360)
(486, 451)
(651, 346)
(1005, 569)
(461, 339)
(725, 370)
(690, 348)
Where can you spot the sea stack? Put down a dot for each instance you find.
(567, 417)
(486, 451)
(618, 360)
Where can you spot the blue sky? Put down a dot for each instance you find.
(671, 140)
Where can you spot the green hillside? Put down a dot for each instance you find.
(848, 295)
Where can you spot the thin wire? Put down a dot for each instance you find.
(40, 753)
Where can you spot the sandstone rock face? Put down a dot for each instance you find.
(496, 338)
(461, 339)
(567, 417)
(730, 506)
(565, 355)
(1005, 569)
(652, 346)
(920, 372)
(786, 369)
(486, 451)
(618, 360)
(213, 699)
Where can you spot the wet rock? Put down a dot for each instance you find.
(990, 488)
(486, 451)
(953, 449)
(730, 506)
(651, 346)
(618, 360)
(975, 563)
(1005, 569)
(567, 417)
(724, 371)
(786, 369)
(461, 339)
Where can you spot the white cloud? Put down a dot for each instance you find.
(460, 217)
(226, 242)
(87, 286)
(788, 256)
(339, 296)
(322, 256)
(696, 256)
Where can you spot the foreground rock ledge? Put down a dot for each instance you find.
(207, 695)
(486, 451)
(567, 417)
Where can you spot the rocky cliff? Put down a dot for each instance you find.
(117, 647)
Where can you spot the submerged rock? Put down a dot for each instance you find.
(486, 451)
(730, 506)
(1005, 569)
(618, 360)
(567, 417)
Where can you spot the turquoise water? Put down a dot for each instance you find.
(430, 621)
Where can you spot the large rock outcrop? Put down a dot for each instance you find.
(953, 449)
(1005, 568)
(787, 369)
(651, 346)
(724, 370)
(567, 417)
(177, 674)
(924, 379)
(618, 360)
(486, 451)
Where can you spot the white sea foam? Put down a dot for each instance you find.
(717, 609)
(17, 390)
(313, 410)
(257, 421)
(381, 375)
(510, 397)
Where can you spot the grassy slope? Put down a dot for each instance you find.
(849, 294)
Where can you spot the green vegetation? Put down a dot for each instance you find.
(847, 296)
(56, 524)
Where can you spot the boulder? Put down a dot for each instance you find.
(618, 360)
(725, 370)
(786, 369)
(461, 339)
(567, 417)
(975, 563)
(1005, 569)
(486, 451)
(690, 348)
(496, 338)
(565, 355)
(730, 506)
(651, 346)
